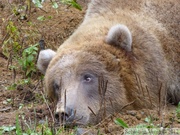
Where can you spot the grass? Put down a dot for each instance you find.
(24, 127)
(25, 55)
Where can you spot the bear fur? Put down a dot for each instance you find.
(125, 53)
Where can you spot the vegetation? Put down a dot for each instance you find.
(21, 50)
(20, 46)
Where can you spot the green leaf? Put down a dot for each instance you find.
(30, 58)
(141, 126)
(74, 4)
(178, 111)
(24, 65)
(120, 122)
(148, 120)
(34, 53)
(55, 5)
(7, 128)
(9, 100)
(18, 128)
(49, 17)
(41, 18)
(28, 71)
(37, 3)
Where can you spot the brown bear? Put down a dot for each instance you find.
(124, 55)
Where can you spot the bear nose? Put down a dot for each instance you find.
(66, 115)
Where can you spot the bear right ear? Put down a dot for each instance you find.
(119, 35)
(45, 56)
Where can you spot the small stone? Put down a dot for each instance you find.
(42, 122)
(133, 113)
(138, 117)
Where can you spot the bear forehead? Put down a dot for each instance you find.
(77, 61)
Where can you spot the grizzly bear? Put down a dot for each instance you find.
(124, 55)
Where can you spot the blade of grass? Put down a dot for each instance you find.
(121, 123)
(18, 127)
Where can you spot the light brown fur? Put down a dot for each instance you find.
(154, 57)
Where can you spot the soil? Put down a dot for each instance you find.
(28, 102)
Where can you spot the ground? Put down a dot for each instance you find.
(28, 102)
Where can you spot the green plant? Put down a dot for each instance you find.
(11, 45)
(147, 128)
(18, 126)
(73, 3)
(27, 61)
(4, 129)
(150, 121)
(121, 123)
(38, 3)
(12, 86)
(29, 128)
(178, 112)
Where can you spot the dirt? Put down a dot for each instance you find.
(28, 102)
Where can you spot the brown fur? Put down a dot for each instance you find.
(153, 60)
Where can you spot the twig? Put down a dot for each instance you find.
(149, 95)
(141, 85)
(43, 10)
(14, 75)
(9, 60)
(5, 109)
(91, 111)
(7, 34)
(160, 90)
(127, 104)
(112, 104)
(39, 81)
(48, 107)
(137, 82)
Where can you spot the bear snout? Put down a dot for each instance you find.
(64, 116)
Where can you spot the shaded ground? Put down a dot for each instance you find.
(29, 101)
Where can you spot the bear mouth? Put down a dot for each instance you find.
(69, 122)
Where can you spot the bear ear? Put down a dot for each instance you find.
(44, 58)
(119, 35)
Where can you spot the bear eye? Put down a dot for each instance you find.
(55, 87)
(87, 78)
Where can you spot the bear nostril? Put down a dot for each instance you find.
(65, 116)
(61, 117)
(57, 117)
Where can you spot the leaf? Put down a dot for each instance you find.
(55, 5)
(24, 67)
(50, 17)
(29, 70)
(41, 18)
(74, 4)
(7, 128)
(120, 122)
(37, 3)
(178, 111)
(30, 59)
(18, 128)
(148, 120)
(9, 100)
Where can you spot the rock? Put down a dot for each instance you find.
(133, 113)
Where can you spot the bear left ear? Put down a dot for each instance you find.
(44, 58)
(119, 35)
